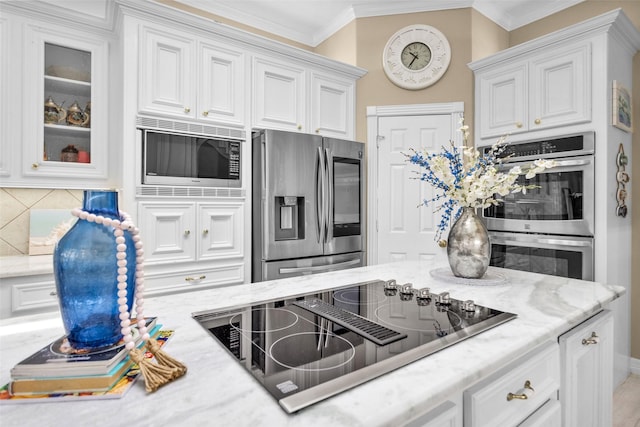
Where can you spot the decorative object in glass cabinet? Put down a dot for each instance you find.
(67, 81)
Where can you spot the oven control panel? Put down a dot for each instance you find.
(549, 148)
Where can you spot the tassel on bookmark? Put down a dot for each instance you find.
(164, 359)
(154, 375)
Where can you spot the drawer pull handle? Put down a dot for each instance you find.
(593, 340)
(526, 392)
(191, 279)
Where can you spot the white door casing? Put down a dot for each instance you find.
(398, 228)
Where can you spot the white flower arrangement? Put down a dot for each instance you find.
(466, 178)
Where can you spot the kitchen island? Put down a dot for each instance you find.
(218, 391)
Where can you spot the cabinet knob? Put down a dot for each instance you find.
(526, 392)
(187, 232)
(442, 243)
(519, 125)
(53, 293)
(187, 109)
(205, 113)
(317, 130)
(594, 339)
(205, 231)
(34, 166)
(299, 127)
(537, 121)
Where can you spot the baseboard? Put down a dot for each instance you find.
(635, 366)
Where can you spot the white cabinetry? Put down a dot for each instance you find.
(543, 91)
(517, 391)
(187, 77)
(332, 106)
(192, 245)
(22, 295)
(279, 99)
(587, 373)
(68, 68)
(287, 96)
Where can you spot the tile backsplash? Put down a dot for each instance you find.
(15, 206)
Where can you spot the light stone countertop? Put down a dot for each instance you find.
(218, 391)
(25, 265)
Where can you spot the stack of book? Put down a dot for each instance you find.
(56, 370)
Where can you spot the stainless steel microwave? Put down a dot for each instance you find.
(171, 158)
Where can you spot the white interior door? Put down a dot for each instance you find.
(400, 228)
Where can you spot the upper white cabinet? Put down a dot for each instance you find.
(332, 106)
(55, 102)
(279, 98)
(167, 69)
(187, 77)
(287, 96)
(543, 91)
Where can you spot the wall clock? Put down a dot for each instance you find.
(416, 57)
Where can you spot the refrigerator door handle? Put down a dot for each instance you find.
(329, 200)
(317, 268)
(320, 196)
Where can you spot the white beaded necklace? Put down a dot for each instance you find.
(121, 255)
(167, 368)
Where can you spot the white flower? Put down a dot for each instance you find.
(467, 178)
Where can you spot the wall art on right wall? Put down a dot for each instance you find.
(622, 107)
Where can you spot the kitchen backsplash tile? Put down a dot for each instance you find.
(14, 216)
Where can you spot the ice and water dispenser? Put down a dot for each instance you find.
(289, 218)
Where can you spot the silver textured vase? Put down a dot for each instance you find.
(468, 247)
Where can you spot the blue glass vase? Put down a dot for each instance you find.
(86, 274)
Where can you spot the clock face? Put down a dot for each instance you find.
(416, 57)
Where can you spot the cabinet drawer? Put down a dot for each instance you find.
(487, 403)
(28, 295)
(547, 416)
(159, 281)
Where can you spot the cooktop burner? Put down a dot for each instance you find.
(308, 348)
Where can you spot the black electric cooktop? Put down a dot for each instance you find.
(307, 348)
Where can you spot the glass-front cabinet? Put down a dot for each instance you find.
(66, 129)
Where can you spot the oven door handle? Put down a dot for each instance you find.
(558, 242)
(576, 162)
(558, 164)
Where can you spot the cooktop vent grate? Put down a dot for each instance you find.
(372, 331)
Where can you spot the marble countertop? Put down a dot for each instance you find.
(25, 265)
(218, 391)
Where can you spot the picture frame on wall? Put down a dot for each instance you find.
(622, 107)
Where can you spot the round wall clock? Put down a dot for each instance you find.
(416, 57)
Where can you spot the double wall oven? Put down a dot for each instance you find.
(548, 229)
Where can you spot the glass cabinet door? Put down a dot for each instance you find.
(67, 106)
(65, 126)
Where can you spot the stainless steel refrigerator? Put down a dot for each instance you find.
(308, 204)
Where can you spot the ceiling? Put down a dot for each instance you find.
(312, 21)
